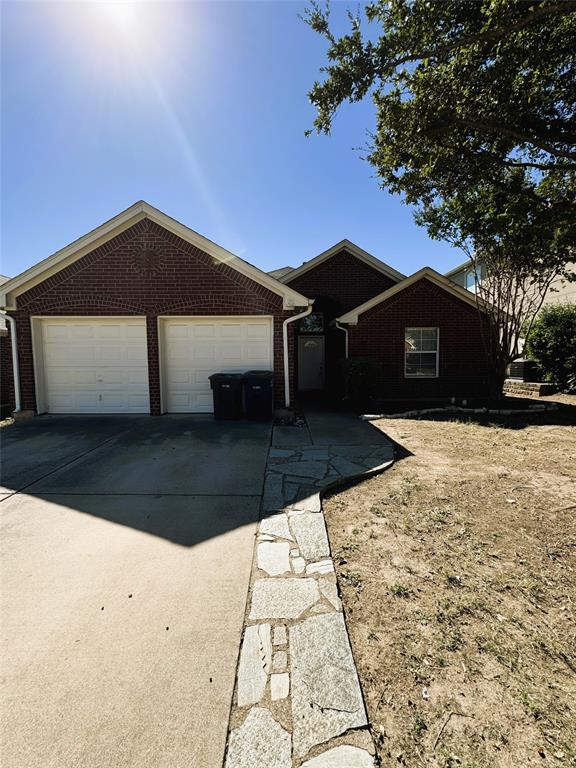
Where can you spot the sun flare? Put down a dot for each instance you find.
(123, 14)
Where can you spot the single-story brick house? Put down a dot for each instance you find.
(134, 316)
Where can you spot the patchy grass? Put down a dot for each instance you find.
(457, 569)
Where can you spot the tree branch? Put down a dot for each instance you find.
(516, 134)
(480, 37)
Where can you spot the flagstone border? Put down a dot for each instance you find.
(298, 701)
(532, 409)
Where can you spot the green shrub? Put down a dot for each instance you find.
(552, 343)
(362, 377)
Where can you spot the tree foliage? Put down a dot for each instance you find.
(476, 126)
(460, 88)
(552, 343)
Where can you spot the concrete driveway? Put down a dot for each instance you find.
(126, 554)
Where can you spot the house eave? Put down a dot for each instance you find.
(354, 250)
(427, 273)
(118, 224)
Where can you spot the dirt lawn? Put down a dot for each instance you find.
(457, 569)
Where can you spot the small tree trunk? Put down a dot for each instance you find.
(498, 378)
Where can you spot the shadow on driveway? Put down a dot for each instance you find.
(184, 478)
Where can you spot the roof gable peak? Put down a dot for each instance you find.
(354, 250)
(120, 223)
(426, 273)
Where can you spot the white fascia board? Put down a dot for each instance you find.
(350, 247)
(459, 268)
(427, 273)
(118, 224)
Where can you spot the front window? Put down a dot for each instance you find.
(313, 323)
(472, 277)
(421, 352)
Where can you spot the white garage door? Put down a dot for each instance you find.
(194, 348)
(95, 365)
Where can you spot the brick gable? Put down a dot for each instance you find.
(464, 370)
(344, 279)
(146, 270)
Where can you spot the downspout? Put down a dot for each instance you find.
(343, 328)
(285, 344)
(15, 367)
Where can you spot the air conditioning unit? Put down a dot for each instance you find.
(524, 370)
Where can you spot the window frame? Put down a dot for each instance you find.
(306, 332)
(436, 352)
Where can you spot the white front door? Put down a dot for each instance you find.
(196, 347)
(93, 365)
(310, 362)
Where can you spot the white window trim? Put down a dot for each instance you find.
(427, 352)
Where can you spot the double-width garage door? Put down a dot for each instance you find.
(93, 365)
(194, 348)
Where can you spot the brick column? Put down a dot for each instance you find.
(153, 364)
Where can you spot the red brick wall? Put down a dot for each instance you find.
(345, 279)
(148, 271)
(464, 370)
(6, 378)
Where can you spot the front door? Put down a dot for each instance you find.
(310, 363)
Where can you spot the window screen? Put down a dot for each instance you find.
(421, 352)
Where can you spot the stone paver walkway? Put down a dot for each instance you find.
(298, 702)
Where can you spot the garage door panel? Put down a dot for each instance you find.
(106, 373)
(202, 331)
(178, 349)
(110, 355)
(202, 350)
(60, 379)
(257, 332)
(136, 354)
(229, 331)
(201, 376)
(207, 347)
(62, 353)
(257, 350)
(204, 402)
(177, 331)
(80, 333)
(54, 332)
(179, 376)
(135, 333)
(109, 332)
(231, 352)
(137, 376)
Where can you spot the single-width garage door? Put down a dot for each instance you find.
(194, 348)
(94, 365)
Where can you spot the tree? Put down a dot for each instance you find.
(460, 88)
(552, 343)
(517, 246)
(476, 126)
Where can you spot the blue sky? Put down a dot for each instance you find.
(198, 108)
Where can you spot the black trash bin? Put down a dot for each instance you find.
(258, 394)
(227, 394)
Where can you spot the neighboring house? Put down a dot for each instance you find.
(560, 291)
(135, 316)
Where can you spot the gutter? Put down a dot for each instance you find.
(345, 330)
(15, 367)
(285, 345)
